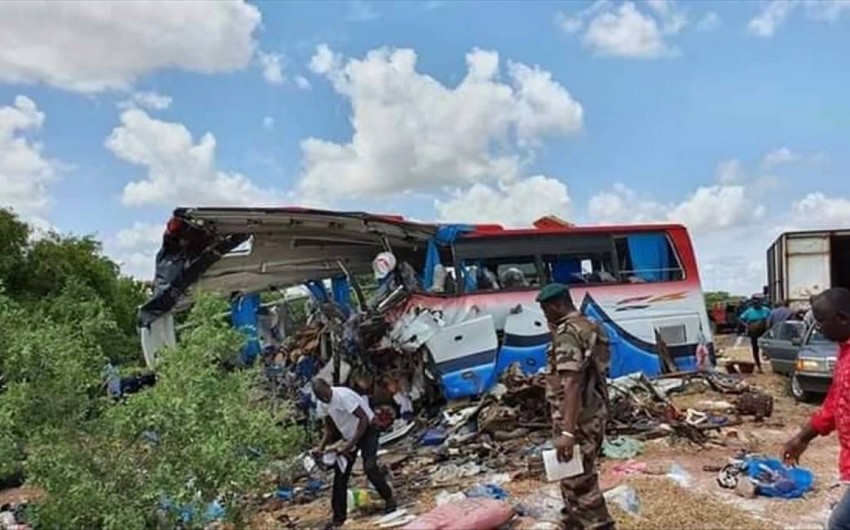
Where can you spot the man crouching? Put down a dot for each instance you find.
(348, 413)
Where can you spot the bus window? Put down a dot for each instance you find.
(647, 257)
(507, 274)
(578, 268)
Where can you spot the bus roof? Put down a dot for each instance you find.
(291, 245)
(245, 217)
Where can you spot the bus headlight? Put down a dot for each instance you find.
(809, 365)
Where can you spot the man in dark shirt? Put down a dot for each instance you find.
(779, 315)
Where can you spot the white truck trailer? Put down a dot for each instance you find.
(803, 264)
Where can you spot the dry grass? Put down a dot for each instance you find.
(665, 505)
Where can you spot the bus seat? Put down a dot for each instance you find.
(464, 357)
(526, 341)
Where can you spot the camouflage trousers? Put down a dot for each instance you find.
(584, 505)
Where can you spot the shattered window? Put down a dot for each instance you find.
(581, 268)
(502, 274)
(520, 273)
(647, 257)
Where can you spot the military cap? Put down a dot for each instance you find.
(553, 291)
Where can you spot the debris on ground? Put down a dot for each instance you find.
(467, 513)
(491, 448)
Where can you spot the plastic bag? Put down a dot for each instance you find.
(626, 498)
(488, 491)
(680, 476)
(544, 505)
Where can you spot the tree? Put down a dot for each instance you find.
(36, 273)
(201, 434)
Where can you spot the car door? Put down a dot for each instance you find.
(785, 345)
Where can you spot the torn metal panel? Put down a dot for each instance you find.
(465, 356)
(252, 249)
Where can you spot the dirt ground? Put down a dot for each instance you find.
(664, 504)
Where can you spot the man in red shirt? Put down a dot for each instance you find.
(831, 311)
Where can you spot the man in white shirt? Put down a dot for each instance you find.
(348, 414)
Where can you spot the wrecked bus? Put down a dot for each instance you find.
(467, 305)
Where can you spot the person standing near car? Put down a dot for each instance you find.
(780, 314)
(755, 319)
(831, 311)
(348, 414)
(577, 392)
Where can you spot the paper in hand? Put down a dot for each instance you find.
(557, 470)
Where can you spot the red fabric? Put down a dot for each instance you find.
(834, 414)
(468, 514)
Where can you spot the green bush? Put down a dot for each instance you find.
(199, 435)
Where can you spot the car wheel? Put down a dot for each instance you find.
(800, 395)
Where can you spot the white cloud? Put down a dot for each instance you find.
(730, 172)
(272, 66)
(709, 22)
(147, 100)
(775, 13)
(25, 174)
(268, 123)
(302, 82)
(179, 171)
(717, 208)
(413, 133)
(139, 235)
(135, 249)
(96, 46)
(826, 10)
(771, 17)
(816, 211)
(707, 209)
(361, 11)
(624, 30)
(779, 157)
(672, 19)
(623, 205)
(511, 204)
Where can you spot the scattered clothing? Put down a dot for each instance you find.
(768, 477)
(468, 513)
(622, 448)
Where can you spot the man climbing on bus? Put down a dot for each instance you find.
(578, 400)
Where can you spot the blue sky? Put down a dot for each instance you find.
(729, 117)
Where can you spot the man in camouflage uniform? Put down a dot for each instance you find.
(577, 392)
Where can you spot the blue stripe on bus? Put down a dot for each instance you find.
(527, 341)
(630, 354)
(467, 362)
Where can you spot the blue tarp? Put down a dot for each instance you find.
(342, 293)
(445, 236)
(564, 270)
(317, 289)
(774, 479)
(244, 318)
(649, 255)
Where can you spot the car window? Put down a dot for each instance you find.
(790, 331)
(816, 337)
